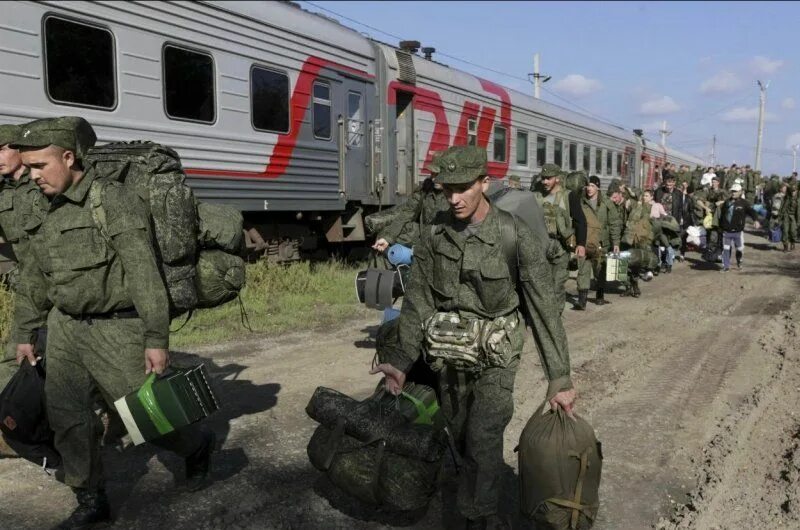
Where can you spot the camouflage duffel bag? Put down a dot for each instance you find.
(220, 226)
(219, 277)
(642, 258)
(560, 461)
(373, 451)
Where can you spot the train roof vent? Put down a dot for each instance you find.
(405, 66)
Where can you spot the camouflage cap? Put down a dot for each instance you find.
(8, 133)
(69, 132)
(550, 170)
(514, 178)
(613, 186)
(461, 164)
(434, 166)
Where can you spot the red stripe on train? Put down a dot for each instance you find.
(282, 153)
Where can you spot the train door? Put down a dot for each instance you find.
(354, 142)
(404, 133)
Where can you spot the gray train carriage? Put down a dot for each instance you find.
(269, 107)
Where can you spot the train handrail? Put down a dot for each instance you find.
(342, 156)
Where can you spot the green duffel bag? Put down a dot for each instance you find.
(378, 450)
(643, 258)
(669, 224)
(219, 278)
(560, 461)
(220, 226)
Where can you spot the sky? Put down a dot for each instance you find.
(634, 64)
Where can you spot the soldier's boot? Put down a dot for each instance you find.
(786, 247)
(636, 291)
(600, 299)
(791, 245)
(198, 465)
(93, 511)
(583, 296)
(490, 522)
(628, 289)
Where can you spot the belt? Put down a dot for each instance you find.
(111, 315)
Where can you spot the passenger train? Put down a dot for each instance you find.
(302, 123)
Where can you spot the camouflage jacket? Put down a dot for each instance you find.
(471, 276)
(418, 211)
(608, 217)
(21, 209)
(80, 272)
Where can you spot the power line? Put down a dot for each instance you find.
(476, 65)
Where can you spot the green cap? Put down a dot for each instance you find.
(460, 164)
(514, 178)
(8, 133)
(550, 170)
(69, 132)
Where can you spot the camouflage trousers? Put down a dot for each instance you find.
(788, 230)
(478, 407)
(85, 357)
(588, 267)
(560, 269)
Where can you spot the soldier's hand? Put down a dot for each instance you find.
(155, 360)
(757, 225)
(616, 249)
(395, 379)
(580, 251)
(381, 245)
(565, 400)
(27, 351)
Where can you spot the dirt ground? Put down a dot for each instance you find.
(692, 388)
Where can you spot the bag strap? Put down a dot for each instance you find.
(96, 189)
(333, 443)
(575, 504)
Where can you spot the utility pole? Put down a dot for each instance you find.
(664, 133)
(763, 103)
(794, 157)
(538, 79)
(714, 150)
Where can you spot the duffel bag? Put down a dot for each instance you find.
(560, 461)
(377, 450)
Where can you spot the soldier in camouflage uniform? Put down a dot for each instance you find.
(603, 232)
(108, 320)
(555, 203)
(788, 219)
(19, 208)
(461, 278)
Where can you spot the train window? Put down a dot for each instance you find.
(608, 162)
(573, 156)
(558, 148)
(500, 143)
(598, 160)
(188, 84)
(522, 148)
(355, 119)
(269, 100)
(619, 165)
(322, 111)
(541, 150)
(586, 158)
(472, 132)
(86, 78)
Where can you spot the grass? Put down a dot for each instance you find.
(277, 299)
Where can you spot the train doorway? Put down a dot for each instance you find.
(404, 133)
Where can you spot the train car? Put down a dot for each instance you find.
(302, 123)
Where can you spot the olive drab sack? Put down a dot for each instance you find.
(560, 462)
(220, 226)
(155, 173)
(219, 277)
(382, 450)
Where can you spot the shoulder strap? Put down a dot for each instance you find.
(508, 233)
(96, 190)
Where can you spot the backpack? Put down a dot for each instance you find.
(23, 417)
(560, 462)
(386, 450)
(179, 224)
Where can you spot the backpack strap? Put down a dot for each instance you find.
(96, 189)
(508, 236)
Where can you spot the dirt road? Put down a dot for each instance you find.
(693, 390)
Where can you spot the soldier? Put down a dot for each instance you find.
(109, 323)
(603, 232)
(566, 226)
(19, 207)
(788, 219)
(515, 182)
(751, 180)
(462, 272)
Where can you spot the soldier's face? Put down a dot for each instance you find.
(591, 190)
(617, 198)
(549, 183)
(464, 199)
(647, 197)
(670, 184)
(10, 160)
(51, 168)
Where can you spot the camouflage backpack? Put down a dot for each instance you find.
(178, 226)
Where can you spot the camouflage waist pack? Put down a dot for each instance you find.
(469, 344)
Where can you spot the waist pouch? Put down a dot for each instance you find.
(469, 344)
